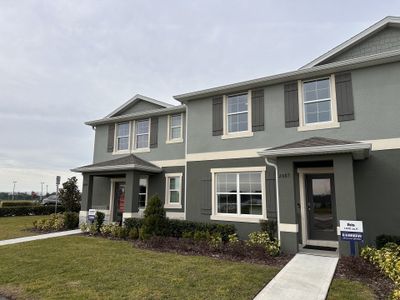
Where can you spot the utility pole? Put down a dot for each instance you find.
(14, 182)
(41, 191)
(58, 179)
(47, 189)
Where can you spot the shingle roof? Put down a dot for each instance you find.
(128, 162)
(318, 146)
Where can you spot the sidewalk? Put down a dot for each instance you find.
(305, 277)
(39, 237)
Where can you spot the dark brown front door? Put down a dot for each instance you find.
(119, 201)
(321, 207)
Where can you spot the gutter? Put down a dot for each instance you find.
(278, 217)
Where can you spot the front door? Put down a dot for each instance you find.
(321, 207)
(119, 201)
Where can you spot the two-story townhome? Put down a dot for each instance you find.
(306, 148)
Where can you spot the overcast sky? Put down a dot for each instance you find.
(66, 62)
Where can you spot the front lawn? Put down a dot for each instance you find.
(14, 227)
(93, 268)
(344, 289)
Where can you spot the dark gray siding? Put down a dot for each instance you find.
(199, 191)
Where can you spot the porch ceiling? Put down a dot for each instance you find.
(128, 162)
(318, 146)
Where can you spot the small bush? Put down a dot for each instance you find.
(233, 238)
(71, 220)
(118, 232)
(201, 235)
(215, 240)
(143, 235)
(155, 221)
(92, 229)
(187, 235)
(106, 229)
(133, 223)
(134, 233)
(56, 222)
(262, 238)
(269, 226)
(84, 227)
(99, 220)
(383, 239)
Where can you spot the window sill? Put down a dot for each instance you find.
(319, 126)
(249, 219)
(141, 150)
(176, 206)
(120, 152)
(237, 135)
(175, 141)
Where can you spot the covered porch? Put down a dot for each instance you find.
(119, 187)
(315, 190)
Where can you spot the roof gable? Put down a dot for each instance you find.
(383, 36)
(137, 104)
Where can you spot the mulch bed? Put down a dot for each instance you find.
(356, 268)
(238, 252)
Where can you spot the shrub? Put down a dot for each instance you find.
(99, 220)
(262, 238)
(269, 226)
(118, 232)
(143, 235)
(17, 203)
(383, 239)
(201, 235)
(155, 221)
(233, 238)
(71, 220)
(130, 223)
(70, 196)
(133, 233)
(387, 259)
(84, 227)
(187, 235)
(54, 223)
(29, 210)
(215, 240)
(106, 229)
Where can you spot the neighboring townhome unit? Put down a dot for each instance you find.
(306, 148)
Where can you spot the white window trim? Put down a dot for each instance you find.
(237, 217)
(239, 134)
(177, 140)
(140, 150)
(167, 204)
(116, 151)
(334, 123)
(147, 193)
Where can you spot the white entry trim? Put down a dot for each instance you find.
(303, 205)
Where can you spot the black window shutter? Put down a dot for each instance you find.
(344, 97)
(110, 142)
(257, 109)
(217, 116)
(291, 105)
(206, 196)
(154, 132)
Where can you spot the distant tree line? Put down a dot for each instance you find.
(22, 196)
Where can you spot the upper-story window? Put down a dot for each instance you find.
(175, 128)
(317, 101)
(317, 105)
(122, 136)
(142, 134)
(237, 113)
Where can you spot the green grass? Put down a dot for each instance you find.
(81, 267)
(343, 289)
(14, 227)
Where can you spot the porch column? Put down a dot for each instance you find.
(86, 201)
(288, 226)
(344, 194)
(131, 194)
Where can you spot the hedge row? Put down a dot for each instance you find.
(29, 210)
(15, 203)
(176, 228)
(383, 239)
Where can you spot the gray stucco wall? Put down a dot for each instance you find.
(164, 151)
(198, 179)
(139, 106)
(375, 92)
(386, 40)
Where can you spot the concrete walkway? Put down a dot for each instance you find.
(39, 237)
(305, 277)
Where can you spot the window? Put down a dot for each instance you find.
(142, 134)
(238, 193)
(317, 101)
(143, 183)
(173, 190)
(237, 113)
(122, 136)
(175, 128)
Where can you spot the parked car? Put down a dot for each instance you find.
(51, 200)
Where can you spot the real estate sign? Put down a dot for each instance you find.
(351, 230)
(91, 214)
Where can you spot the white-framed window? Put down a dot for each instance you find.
(237, 115)
(143, 191)
(142, 134)
(173, 190)
(122, 131)
(317, 105)
(175, 128)
(238, 194)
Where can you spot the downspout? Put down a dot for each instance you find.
(278, 218)
(186, 150)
